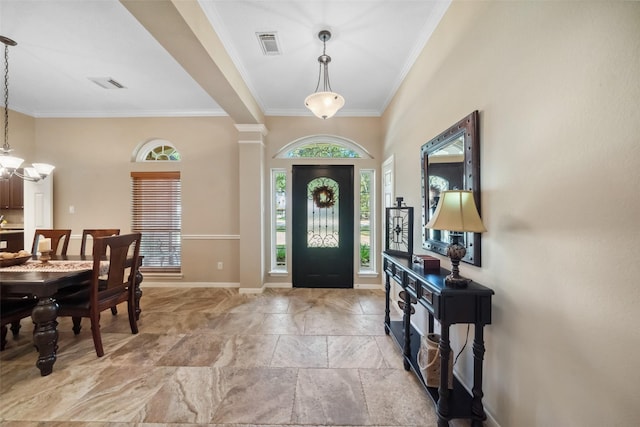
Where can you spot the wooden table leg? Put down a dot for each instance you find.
(45, 334)
(387, 308)
(443, 389)
(478, 356)
(406, 319)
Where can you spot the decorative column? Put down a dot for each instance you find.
(251, 206)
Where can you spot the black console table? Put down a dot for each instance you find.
(448, 306)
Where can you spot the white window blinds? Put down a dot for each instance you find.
(156, 213)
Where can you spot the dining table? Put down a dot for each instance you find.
(43, 280)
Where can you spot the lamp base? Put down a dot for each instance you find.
(456, 282)
(456, 252)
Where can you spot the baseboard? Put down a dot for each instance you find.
(490, 421)
(282, 285)
(251, 290)
(173, 284)
(368, 286)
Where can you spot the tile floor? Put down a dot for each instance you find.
(213, 357)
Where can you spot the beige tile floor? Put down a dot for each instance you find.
(203, 356)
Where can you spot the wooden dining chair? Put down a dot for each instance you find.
(107, 290)
(56, 235)
(95, 233)
(12, 311)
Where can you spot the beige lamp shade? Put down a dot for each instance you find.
(456, 211)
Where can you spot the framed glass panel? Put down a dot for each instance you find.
(323, 213)
(366, 219)
(279, 220)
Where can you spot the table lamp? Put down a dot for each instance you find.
(456, 212)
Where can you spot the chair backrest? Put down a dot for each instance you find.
(56, 236)
(122, 252)
(99, 232)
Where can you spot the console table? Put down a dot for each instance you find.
(448, 306)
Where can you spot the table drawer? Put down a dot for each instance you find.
(426, 294)
(412, 283)
(389, 268)
(398, 276)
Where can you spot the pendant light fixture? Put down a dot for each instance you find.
(9, 164)
(326, 103)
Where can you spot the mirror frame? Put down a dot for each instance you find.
(467, 127)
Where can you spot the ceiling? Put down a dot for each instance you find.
(62, 44)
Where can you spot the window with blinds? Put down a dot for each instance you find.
(156, 213)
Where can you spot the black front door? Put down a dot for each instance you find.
(322, 246)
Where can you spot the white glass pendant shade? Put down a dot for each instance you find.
(43, 169)
(10, 162)
(31, 174)
(324, 104)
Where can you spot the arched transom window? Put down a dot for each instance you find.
(323, 146)
(157, 150)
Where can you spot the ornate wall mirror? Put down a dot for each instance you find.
(451, 161)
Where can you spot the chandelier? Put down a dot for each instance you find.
(9, 164)
(324, 104)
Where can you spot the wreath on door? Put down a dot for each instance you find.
(324, 197)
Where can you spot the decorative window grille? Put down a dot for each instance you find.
(156, 150)
(163, 152)
(323, 150)
(156, 213)
(323, 213)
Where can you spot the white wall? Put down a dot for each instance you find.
(557, 85)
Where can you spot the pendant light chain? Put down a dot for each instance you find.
(319, 75)
(6, 147)
(325, 60)
(323, 68)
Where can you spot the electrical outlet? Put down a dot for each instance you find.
(220, 265)
(3, 245)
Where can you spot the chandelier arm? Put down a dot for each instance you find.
(25, 177)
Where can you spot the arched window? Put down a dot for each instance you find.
(156, 150)
(323, 146)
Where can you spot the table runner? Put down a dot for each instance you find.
(57, 266)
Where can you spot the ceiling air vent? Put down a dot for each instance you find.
(107, 83)
(269, 43)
